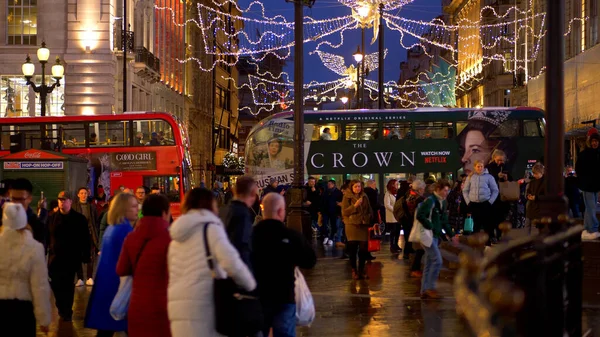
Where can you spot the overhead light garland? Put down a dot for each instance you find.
(257, 38)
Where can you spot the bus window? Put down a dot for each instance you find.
(433, 130)
(542, 123)
(73, 134)
(168, 185)
(110, 133)
(332, 134)
(397, 131)
(32, 135)
(531, 128)
(362, 131)
(153, 133)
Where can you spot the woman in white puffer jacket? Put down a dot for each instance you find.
(190, 292)
(24, 287)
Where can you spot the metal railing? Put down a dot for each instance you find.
(529, 286)
(120, 38)
(143, 55)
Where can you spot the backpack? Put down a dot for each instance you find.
(411, 205)
(399, 209)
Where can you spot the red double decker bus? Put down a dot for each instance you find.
(130, 150)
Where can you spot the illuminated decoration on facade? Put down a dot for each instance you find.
(169, 42)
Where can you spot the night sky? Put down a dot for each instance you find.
(314, 69)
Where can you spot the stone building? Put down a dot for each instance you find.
(88, 37)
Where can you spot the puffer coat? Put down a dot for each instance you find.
(356, 219)
(190, 292)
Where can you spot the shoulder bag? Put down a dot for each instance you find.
(418, 233)
(236, 312)
(120, 303)
(509, 190)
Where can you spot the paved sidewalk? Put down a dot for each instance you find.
(387, 304)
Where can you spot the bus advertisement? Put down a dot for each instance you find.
(129, 150)
(392, 144)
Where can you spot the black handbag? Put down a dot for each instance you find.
(237, 312)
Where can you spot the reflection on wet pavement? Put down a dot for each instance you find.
(386, 304)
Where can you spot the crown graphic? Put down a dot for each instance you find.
(493, 117)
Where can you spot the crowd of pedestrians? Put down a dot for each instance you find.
(239, 233)
(172, 265)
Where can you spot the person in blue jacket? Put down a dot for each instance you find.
(480, 192)
(122, 213)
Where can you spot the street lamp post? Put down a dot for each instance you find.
(359, 57)
(58, 71)
(381, 104)
(298, 217)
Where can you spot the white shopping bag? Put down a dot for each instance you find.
(419, 233)
(305, 306)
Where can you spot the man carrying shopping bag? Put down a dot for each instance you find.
(431, 221)
(277, 251)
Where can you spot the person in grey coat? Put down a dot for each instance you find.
(480, 192)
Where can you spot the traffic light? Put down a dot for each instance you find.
(17, 142)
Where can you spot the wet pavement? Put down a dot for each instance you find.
(386, 304)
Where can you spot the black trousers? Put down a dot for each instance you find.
(105, 333)
(483, 218)
(17, 318)
(63, 287)
(408, 246)
(395, 228)
(416, 265)
(360, 249)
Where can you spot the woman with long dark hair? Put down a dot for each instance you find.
(357, 213)
(190, 292)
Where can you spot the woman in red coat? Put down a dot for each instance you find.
(144, 256)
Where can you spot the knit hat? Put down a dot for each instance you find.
(592, 131)
(14, 216)
(272, 180)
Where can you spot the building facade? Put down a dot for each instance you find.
(88, 36)
(487, 62)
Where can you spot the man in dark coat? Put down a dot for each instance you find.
(588, 168)
(373, 195)
(69, 247)
(313, 202)
(21, 191)
(237, 217)
(82, 206)
(278, 250)
(332, 214)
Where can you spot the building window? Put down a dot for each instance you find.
(508, 63)
(22, 22)
(222, 98)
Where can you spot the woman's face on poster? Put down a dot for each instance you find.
(475, 149)
(274, 148)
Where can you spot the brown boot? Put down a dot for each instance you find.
(431, 295)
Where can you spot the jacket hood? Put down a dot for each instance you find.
(190, 222)
(485, 171)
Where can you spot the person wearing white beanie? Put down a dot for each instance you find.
(24, 287)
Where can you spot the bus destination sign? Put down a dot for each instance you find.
(33, 165)
(133, 161)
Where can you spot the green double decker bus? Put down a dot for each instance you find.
(393, 144)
